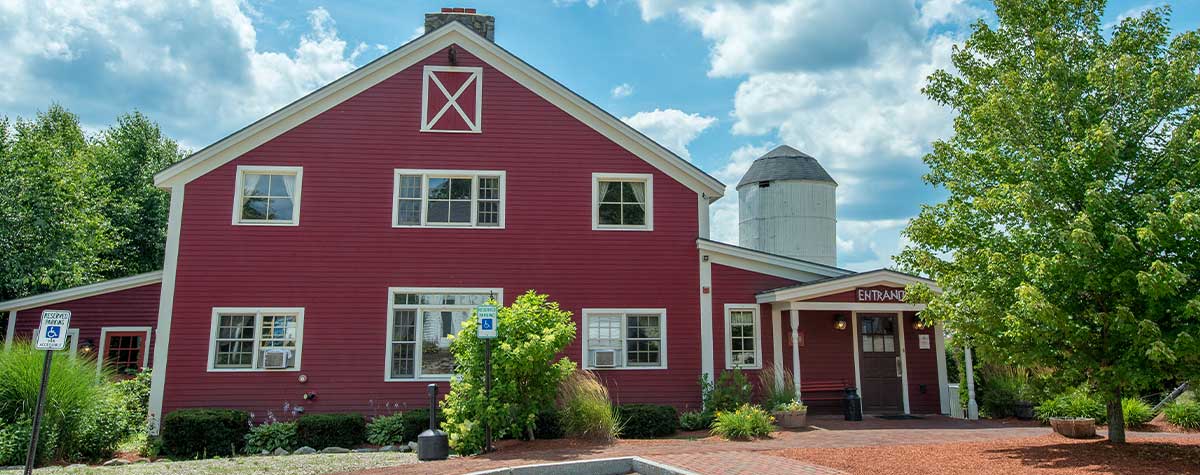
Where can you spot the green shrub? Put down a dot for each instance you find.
(136, 392)
(203, 433)
(526, 370)
(103, 426)
(14, 443)
(270, 436)
(548, 425)
(731, 391)
(386, 430)
(1183, 414)
(644, 421)
(1136, 412)
(776, 386)
(585, 409)
(331, 430)
(1076, 403)
(745, 423)
(999, 388)
(416, 421)
(695, 420)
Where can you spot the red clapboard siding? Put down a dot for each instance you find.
(922, 369)
(134, 307)
(826, 357)
(341, 259)
(738, 286)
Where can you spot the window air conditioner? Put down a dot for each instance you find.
(276, 358)
(604, 358)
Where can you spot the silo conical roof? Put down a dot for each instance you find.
(785, 163)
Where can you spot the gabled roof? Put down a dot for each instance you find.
(409, 54)
(785, 163)
(767, 263)
(80, 292)
(833, 285)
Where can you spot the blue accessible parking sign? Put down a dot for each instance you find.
(487, 321)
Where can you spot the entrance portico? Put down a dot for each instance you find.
(856, 331)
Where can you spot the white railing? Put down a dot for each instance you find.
(956, 410)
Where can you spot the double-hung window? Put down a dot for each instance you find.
(419, 328)
(267, 195)
(622, 201)
(256, 339)
(625, 338)
(742, 348)
(449, 198)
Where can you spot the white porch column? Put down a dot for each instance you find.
(707, 367)
(777, 342)
(795, 317)
(972, 406)
(12, 328)
(939, 341)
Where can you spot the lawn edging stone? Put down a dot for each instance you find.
(306, 450)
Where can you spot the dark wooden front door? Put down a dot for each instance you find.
(879, 357)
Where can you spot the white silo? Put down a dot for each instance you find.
(786, 206)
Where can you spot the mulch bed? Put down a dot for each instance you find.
(1051, 454)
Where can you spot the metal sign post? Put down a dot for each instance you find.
(487, 332)
(51, 336)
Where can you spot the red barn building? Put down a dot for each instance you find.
(333, 245)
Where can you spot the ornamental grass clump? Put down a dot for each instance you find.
(585, 410)
(526, 372)
(1184, 414)
(776, 386)
(745, 423)
(1136, 412)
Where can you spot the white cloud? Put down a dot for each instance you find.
(935, 12)
(672, 128)
(567, 3)
(196, 67)
(622, 90)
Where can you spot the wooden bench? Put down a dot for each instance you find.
(825, 390)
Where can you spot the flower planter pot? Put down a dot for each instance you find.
(1023, 410)
(791, 419)
(1075, 428)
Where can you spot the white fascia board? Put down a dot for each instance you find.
(377, 71)
(770, 264)
(85, 291)
(865, 279)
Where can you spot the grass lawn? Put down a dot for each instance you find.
(292, 465)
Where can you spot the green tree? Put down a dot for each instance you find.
(1071, 235)
(128, 155)
(525, 376)
(53, 232)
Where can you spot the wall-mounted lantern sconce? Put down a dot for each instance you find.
(839, 322)
(919, 324)
(87, 346)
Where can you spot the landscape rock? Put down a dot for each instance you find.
(365, 450)
(389, 448)
(412, 446)
(13, 467)
(306, 450)
(114, 462)
(264, 452)
(335, 450)
(74, 465)
(405, 448)
(281, 451)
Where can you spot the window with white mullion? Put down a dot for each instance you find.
(430, 198)
(420, 327)
(742, 337)
(241, 336)
(624, 339)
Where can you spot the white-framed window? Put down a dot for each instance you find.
(256, 339)
(623, 201)
(743, 348)
(267, 196)
(419, 324)
(452, 99)
(448, 198)
(625, 338)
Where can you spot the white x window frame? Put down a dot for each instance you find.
(430, 80)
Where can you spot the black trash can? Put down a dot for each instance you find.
(852, 405)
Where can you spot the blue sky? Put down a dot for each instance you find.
(719, 82)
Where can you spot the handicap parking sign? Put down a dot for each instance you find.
(487, 321)
(52, 333)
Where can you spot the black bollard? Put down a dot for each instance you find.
(433, 443)
(852, 405)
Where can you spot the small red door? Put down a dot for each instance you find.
(125, 352)
(879, 355)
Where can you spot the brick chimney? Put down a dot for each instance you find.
(484, 25)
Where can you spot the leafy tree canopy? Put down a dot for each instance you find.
(1071, 235)
(76, 210)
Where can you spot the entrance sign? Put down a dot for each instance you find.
(487, 322)
(880, 294)
(52, 333)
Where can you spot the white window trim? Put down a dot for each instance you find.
(428, 76)
(258, 313)
(391, 319)
(662, 323)
(104, 331)
(729, 308)
(474, 175)
(278, 170)
(646, 178)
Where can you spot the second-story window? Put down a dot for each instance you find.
(267, 195)
(449, 198)
(622, 201)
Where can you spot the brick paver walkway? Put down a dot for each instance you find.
(711, 456)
